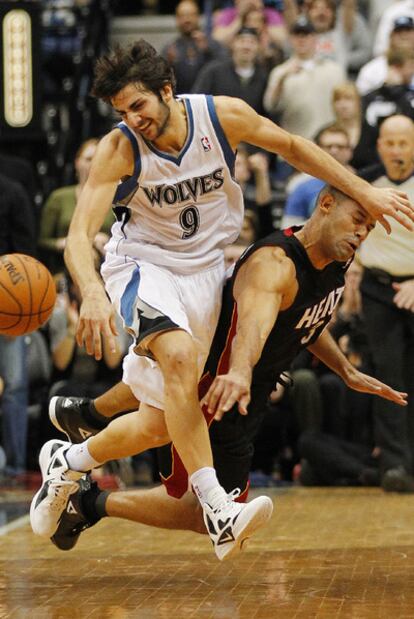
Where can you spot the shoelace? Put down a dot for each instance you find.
(61, 490)
(224, 500)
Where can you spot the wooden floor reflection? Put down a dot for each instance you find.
(326, 554)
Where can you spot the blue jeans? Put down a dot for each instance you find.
(14, 401)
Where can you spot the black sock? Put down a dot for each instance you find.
(93, 418)
(93, 503)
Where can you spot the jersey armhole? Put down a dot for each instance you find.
(228, 153)
(134, 143)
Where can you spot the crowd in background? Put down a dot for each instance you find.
(332, 72)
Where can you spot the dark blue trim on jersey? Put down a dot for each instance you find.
(229, 155)
(129, 297)
(131, 137)
(125, 189)
(190, 134)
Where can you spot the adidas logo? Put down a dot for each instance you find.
(71, 508)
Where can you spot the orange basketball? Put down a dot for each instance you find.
(27, 294)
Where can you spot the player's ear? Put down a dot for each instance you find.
(166, 93)
(327, 202)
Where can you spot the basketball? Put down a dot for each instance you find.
(27, 294)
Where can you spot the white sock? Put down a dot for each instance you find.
(79, 458)
(204, 481)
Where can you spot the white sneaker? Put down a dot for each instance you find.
(58, 483)
(229, 524)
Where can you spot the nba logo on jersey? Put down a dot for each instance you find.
(206, 144)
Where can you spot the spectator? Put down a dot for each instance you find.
(395, 96)
(80, 373)
(388, 303)
(342, 35)
(348, 111)
(228, 22)
(403, 8)
(304, 72)
(242, 76)
(271, 52)
(252, 174)
(58, 210)
(302, 201)
(373, 74)
(17, 235)
(191, 50)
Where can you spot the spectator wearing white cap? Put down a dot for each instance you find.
(403, 8)
(373, 74)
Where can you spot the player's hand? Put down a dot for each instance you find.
(96, 320)
(368, 384)
(380, 201)
(225, 391)
(404, 299)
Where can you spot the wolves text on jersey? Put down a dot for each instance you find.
(312, 315)
(190, 189)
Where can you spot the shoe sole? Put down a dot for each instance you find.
(43, 460)
(259, 519)
(53, 417)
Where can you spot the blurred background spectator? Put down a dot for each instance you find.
(192, 49)
(229, 20)
(58, 210)
(17, 235)
(374, 73)
(341, 32)
(301, 201)
(242, 76)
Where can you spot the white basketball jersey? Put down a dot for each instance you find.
(180, 211)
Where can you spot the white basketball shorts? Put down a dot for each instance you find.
(151, 299)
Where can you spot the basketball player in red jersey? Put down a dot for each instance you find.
(166, 251)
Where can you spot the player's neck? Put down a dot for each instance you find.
(310, 241)
(175, 134)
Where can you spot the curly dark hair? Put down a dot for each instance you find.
(139, 62)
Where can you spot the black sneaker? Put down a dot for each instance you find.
(67, 415)
(73, 520)
(397, 480)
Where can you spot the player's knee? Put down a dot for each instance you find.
(179, 363)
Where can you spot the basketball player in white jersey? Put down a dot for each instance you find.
(169, 164)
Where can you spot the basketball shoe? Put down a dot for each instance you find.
(230, 524)
(74, 519)
(59, 482)
(68, 416)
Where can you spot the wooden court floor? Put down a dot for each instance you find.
(327, 554)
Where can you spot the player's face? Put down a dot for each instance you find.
(142, 110)
(348, 225)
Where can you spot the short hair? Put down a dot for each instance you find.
(138, 62)
(345, 89)
(333, 128)
(338, 195)
(84, 145)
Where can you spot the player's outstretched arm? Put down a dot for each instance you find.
(327, 350)
(242, 124)
(97, 316)
(259, 289)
